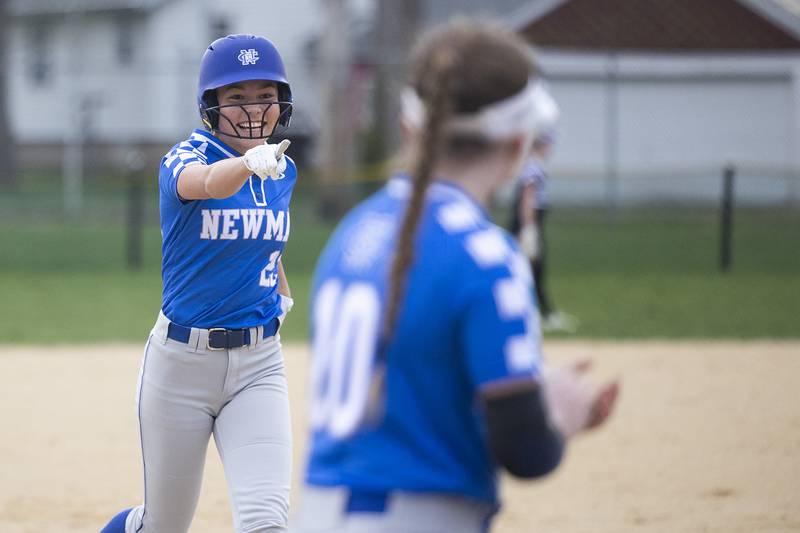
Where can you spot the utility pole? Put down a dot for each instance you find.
(337, 130)
(612, 136)
(74, 139)
(8, 152)
(397, 26)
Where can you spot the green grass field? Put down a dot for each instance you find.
(644, 273)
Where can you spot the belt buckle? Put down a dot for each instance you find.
(208, 340)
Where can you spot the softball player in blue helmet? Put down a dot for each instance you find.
(213, 361)
(427, 370)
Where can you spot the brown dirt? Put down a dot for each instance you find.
(706, 438)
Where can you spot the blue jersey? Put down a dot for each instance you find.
(467, 320)
(220, 257)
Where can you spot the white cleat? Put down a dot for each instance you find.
(558, 321)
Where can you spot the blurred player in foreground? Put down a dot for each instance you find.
(427, 369)
(213, 363)
(529, 215)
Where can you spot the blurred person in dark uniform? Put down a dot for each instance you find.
(528, 217)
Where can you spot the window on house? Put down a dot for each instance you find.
(125, 34)
(220, 27)
(40, 63)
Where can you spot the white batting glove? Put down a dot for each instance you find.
(267, 160)
(529, 240)
(286, 304)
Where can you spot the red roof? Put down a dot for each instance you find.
(664, 25)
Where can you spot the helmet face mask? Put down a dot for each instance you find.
(236, 59)
(257, 125)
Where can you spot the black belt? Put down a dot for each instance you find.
(221, 338)
(366, 501)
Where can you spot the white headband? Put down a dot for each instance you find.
(530, 110)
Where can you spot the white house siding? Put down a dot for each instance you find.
(119, 102)
(38, 110)
(289, 26)
(154, 97)
(178, 34)
(678, 122)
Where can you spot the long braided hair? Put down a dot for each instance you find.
(457, 68)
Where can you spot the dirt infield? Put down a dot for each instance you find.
(706, 439)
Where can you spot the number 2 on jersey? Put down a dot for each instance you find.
(269, 276)
(346, 321)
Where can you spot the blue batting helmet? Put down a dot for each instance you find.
(237, 58)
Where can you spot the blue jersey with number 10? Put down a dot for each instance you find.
(467, 320)
(220, 256)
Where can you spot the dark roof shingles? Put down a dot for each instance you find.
(657, 25)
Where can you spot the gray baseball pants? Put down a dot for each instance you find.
(188, 392)
(323, 510)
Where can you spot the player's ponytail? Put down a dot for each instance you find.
(457, 68)
(434, 89)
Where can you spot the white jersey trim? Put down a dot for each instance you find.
(488, 248)
(202, 136)
(512, 297)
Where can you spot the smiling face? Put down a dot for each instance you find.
(248, 109)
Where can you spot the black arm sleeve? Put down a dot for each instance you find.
(520, 435)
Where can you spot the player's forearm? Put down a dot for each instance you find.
(527, 206)
(218, 180)
(225, 178)
(283, 283)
